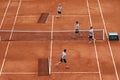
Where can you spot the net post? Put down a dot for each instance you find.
(103, 35)
(49, 67)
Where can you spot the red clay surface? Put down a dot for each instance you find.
(99, 61)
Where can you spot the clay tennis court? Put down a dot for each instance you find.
(19, 60)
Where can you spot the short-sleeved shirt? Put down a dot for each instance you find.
(77, 26)
(59, 9)
(91, 32)
(63, 55)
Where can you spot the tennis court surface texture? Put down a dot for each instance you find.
(29, 57)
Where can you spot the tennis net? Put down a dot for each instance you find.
(27, 35)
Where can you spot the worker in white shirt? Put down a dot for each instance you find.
(59, 10)
(77, 33)
(91, 34)
(63, 59)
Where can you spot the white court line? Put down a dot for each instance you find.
(15, 19)
(6, 51)
(97, 58)
(29, 16)
(35, 73)
(75, 72)
(5, 14)
(22, 73)
(56, 15)
(89, 13)
(98, 64)
(111, 52)
(51, 46)
(73, 15)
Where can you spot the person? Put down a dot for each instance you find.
(63, 59)
(59, 10)
(91, 34)
(77, 29)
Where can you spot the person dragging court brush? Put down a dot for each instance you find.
(63, 59)
(59, 10)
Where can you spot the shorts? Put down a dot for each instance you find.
(59, 12)
(90, 37)
(63, 60)
(76, 31)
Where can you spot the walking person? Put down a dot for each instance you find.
(59, 10)
(63, 59)
(91, 34)
(77, 25)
